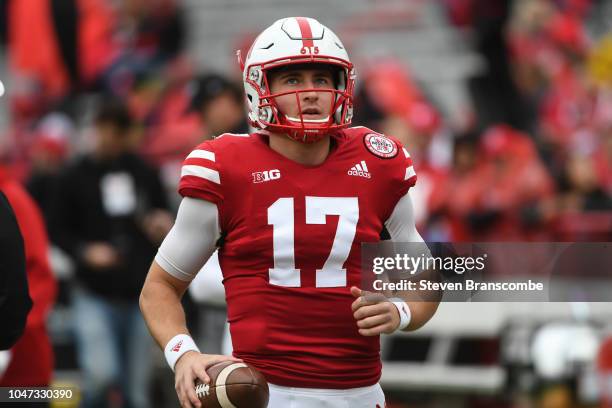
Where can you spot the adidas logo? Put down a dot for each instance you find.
(177, 346)
(360, 170)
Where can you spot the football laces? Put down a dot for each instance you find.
(202, 390)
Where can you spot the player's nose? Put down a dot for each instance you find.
(310, 96)
(310, 93)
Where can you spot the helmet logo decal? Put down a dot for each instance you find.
(310, 50)
(380, 145)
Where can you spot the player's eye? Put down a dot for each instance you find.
(291, 80)
(323, 81)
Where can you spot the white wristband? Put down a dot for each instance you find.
(404, 312)
(177, 346)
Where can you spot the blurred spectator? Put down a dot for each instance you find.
(40, 76)
(58, 48)
(159, 102)
(109, 215)
(49, 151)
(96, 46)
(220, 104)
(499, 194)
(188, 113)
(448, 204)
(603, 160)
(31, 362)
(549, 45)
(154, 28)
(583, 190)
(420, 128)
(390, 87)
(16, 302)
(390, 100)
(512, 185)
(150, 35)
(495, 94)
(540, 41)
(600, 61)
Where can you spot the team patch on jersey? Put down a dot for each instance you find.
(380, 146)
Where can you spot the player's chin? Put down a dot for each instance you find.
(317, 116)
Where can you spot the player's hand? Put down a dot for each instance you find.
(100, 255)
(374, 313)
(191, 366)
(156, 225)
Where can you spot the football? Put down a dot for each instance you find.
(233, 385)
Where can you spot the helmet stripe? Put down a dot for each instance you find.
(306, 31)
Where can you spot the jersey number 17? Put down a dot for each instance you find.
(281, 217)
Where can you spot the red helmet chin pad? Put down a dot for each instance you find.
(301, 134)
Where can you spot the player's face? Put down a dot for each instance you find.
(313, 105)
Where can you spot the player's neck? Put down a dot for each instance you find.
(309, 154)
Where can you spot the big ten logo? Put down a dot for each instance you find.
(261, 176)
(309, 50)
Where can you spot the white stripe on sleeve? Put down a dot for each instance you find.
(202, 154)
(409, 173)
(201, 172)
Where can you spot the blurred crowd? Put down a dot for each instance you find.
(530, 162)
(97, 89)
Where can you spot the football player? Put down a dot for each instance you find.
(289, 207)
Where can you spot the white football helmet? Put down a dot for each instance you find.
(296, 40)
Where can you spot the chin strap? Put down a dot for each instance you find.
(298, 120)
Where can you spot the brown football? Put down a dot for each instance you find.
(233, 385)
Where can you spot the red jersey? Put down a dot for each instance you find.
(291, 249)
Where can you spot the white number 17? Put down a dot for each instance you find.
(281, 217)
